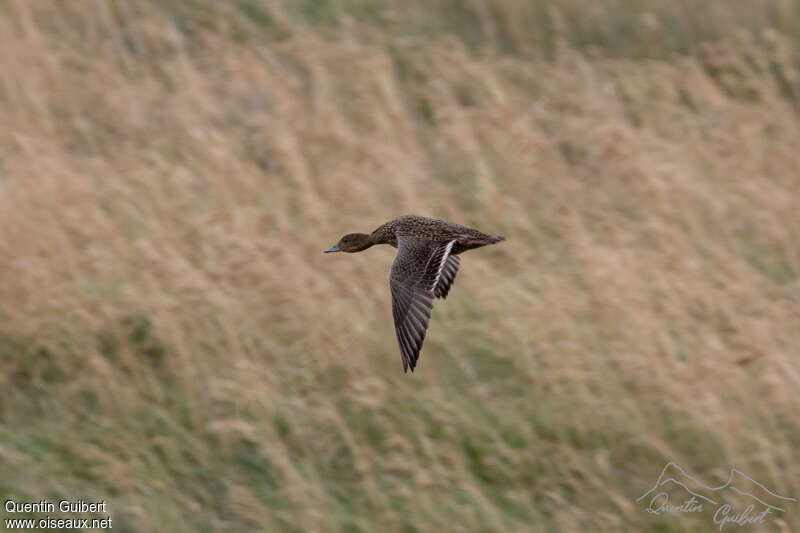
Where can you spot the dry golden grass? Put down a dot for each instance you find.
(173, 340)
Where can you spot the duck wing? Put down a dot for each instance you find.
(448, 276)
(415, 272)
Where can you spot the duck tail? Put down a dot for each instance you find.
(494, 239)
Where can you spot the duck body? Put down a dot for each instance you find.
(424, 268)
(435, 230)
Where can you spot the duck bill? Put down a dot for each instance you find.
(334, 248)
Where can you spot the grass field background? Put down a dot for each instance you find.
(172, 339)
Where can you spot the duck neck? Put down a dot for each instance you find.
(381, 236)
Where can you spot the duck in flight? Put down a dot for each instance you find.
(424, 268)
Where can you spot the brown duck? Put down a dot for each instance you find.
(425, 266)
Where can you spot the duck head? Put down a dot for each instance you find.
(352, 242)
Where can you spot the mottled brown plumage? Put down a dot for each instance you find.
(425, 267)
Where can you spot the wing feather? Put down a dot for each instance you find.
(448, 276)
(418, 269)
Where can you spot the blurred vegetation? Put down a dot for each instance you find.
(173, 341)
